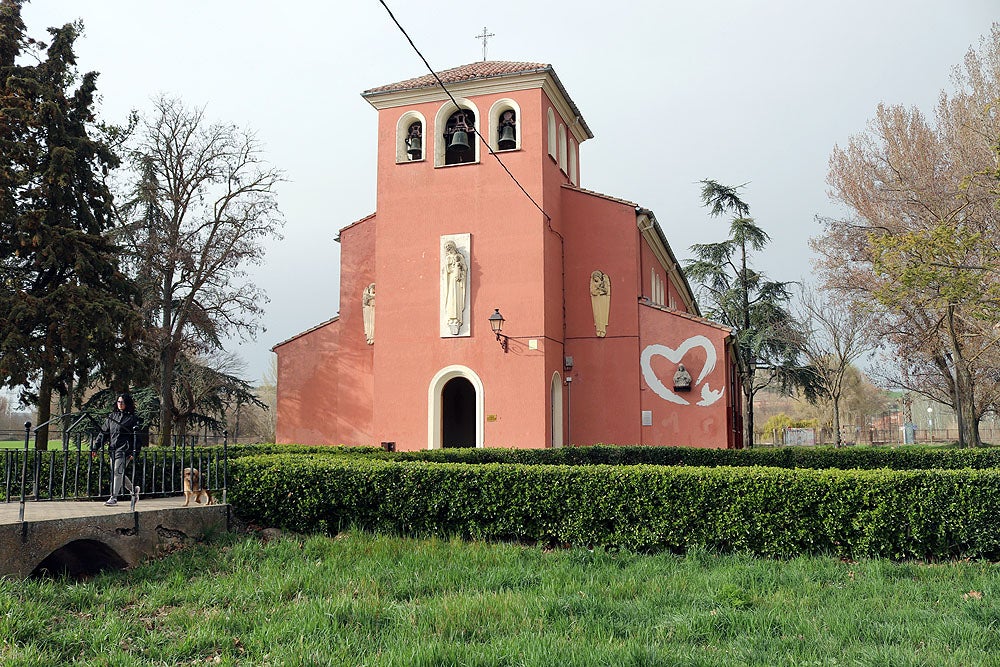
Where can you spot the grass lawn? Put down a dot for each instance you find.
(361, 599)
(19, 444)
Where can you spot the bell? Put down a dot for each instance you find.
(507, 140)
(459, 142)
(413, 148)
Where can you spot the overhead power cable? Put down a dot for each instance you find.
(455, 102)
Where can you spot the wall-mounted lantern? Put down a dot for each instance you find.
(496, 323)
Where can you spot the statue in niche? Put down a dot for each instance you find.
(455, 271)
(368, 312)
(682, 379)
(600, 300)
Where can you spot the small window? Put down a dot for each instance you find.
(657, 288)
(572, 162)
(552, 133)
(562, 147)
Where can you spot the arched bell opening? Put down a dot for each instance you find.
(410, 133)
(460, 137)
(80, 559)
(415, 141)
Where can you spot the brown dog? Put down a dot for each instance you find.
(192, 488)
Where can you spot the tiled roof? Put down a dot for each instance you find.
(484, 69)
(480, 70)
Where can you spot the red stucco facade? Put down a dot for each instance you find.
(414, 382)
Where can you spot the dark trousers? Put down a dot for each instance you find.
(118, 461)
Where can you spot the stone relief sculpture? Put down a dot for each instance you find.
(455, 271)
(600, 300)
(682, 379)
(368, 312)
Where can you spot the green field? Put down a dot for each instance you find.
(19, 444)
(360, 599)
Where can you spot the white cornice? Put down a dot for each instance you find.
(489, 86)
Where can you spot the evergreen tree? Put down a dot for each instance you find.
(66, 309)
(768, 338)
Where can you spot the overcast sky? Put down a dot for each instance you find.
(674, 92)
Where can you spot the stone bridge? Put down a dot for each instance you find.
(85, 537)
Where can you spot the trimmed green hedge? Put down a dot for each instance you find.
(847, 458)
(931, 514)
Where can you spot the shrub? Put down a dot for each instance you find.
(860, 458)
(772, 512)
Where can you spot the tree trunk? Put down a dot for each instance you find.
(748, 416)
(44, 410)
(967, 420)
(168, 357)
(964, 388)
(66, 407)
(836, 422)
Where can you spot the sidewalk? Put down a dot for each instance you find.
(45, 510)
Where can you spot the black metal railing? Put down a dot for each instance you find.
(75, 472)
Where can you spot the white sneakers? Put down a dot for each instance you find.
(111, 502)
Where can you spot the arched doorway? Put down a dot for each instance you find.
(458, 413)
(456, 409)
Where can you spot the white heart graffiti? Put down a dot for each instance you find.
(708, 396)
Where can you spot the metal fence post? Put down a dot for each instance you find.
(225, 464)
(24, 469)
(135, 455)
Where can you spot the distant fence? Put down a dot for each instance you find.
(56, 436)
(867, 436)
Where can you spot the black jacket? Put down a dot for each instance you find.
(121, 432)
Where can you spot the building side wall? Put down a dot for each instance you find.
(308, 390)
(697, 418)
(603, 399)
(355, 358)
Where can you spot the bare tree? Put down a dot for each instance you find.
(256, 421)
(922, 236)
(837, 333)
(203, 204)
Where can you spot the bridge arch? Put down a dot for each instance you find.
(79, 559)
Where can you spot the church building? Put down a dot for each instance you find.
(490, 301)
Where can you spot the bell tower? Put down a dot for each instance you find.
(472, 167)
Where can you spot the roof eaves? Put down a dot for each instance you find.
(592, 193)
(688, 316)
(353, 224)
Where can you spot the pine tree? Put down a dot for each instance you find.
(768, 339)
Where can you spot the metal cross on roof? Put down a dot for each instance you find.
(485, 36)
